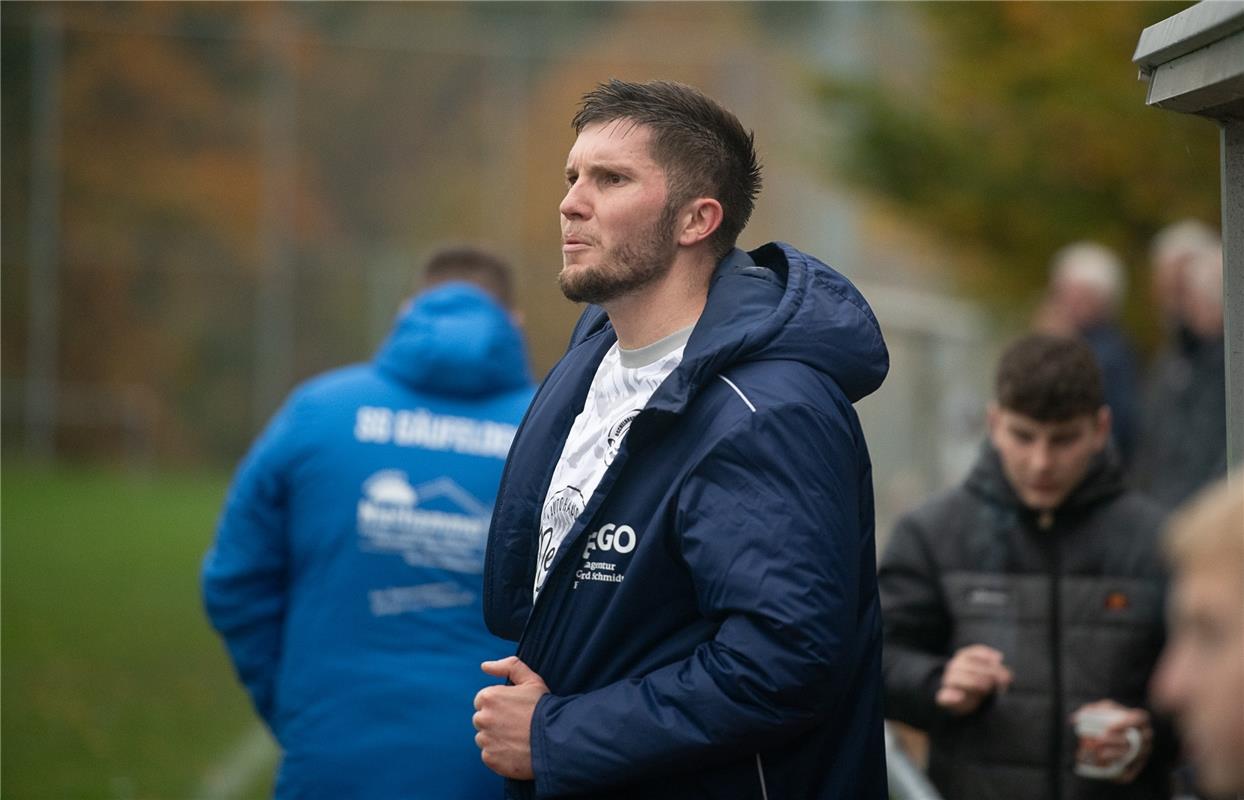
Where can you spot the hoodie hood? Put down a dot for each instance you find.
(774, 303)
(1102, 481)
(820, 319)
(455, 340)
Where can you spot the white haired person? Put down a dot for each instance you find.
(1087, 287)
(1169, 253)
(1183, 435)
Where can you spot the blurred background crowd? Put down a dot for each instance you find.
(205, 204)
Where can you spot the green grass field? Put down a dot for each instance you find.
(113, 684)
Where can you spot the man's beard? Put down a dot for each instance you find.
(626, 268)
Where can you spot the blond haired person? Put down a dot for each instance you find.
(1200, 678)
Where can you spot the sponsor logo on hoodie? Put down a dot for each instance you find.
(412, 599)
(600, 562)
(436, 524)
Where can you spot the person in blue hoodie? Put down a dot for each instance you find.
(346, 575)
(683, 540)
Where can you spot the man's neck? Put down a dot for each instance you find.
(671, 303)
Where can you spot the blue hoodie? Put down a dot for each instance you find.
(710, 626)
(346, 573)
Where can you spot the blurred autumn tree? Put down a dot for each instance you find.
(158, 190)
(230, 174)
(242, 191)
(1028, 130)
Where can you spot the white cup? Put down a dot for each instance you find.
(1092, 723)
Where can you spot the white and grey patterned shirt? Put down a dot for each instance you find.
(623, 383)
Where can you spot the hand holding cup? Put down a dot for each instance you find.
(1114, 741)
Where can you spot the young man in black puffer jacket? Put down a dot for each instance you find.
(1032, 590)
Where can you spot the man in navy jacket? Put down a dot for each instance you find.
(346, 577)
(683, 540)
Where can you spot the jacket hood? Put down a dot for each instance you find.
(774, 303)
(455, 340)
(1102, 481)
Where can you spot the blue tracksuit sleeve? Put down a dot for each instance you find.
(245, 572)
(769, 527)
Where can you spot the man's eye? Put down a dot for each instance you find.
(613, 178)
(1206, 636)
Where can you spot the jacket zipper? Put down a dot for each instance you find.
(1056, 674)
(503, 485)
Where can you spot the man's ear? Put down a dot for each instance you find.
(700, 218)
(1102, 421)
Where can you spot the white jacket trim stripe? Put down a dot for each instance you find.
(760, 767)
(737, 391)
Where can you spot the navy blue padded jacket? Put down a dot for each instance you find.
(710, 626)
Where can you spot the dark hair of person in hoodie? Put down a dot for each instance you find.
(470, 264)
(1049, 378)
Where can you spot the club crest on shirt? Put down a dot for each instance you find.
(616, 433)
(559, 513)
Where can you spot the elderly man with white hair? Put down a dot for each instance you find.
(1169, 253)
(1183, 441)
(1087, 288)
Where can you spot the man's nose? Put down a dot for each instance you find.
(1040, 456)
(1168, 685)
(575, 204)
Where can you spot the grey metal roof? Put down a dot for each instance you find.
(1194, 61)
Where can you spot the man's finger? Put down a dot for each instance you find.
(1134, 718)
(982, 654)
(501, 667)
(1109, 752)
(520, 673)
(980, 672)
(949, 696)
(968, 681)
(994, 674)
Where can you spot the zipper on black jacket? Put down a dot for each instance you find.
(1056, 674)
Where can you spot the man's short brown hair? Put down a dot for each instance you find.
(473, 265)
(1049, 378)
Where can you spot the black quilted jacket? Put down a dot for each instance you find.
(1074, 601)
